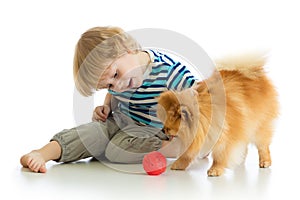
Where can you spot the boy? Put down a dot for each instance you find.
(125, 127)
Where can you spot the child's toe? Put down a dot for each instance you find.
(43, 169)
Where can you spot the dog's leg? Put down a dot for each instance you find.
(188, 156)
(227, 156)
(182, 162)
(217, 169)
(264, 157)
(220, 158)
(262, 142)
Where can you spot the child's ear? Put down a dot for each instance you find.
(129, 51)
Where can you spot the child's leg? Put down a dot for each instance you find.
(131, 143)
(88, 140)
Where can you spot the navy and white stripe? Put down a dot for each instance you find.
(166, 74)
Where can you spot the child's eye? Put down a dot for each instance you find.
(115, 75)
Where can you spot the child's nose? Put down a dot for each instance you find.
(118, 86)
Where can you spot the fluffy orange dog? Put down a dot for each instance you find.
(223, 114)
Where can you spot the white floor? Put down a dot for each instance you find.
(90, 179)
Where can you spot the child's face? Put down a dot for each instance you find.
(123, 74)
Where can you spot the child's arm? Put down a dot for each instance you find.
(102, 112)
(107, 99)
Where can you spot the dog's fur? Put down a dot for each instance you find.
(237, 105)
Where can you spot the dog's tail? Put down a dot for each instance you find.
(250, 65)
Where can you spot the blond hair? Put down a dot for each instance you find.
(94, 51)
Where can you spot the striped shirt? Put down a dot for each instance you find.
(163, 74)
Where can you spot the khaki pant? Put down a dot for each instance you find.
(119, 139)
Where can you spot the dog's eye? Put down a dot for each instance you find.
(184, 113)
(166, 130)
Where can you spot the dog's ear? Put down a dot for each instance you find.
(186, 115)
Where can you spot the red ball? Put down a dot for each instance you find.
(154, 163)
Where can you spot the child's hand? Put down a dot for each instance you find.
(101, 113)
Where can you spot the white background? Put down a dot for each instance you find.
(37, 40)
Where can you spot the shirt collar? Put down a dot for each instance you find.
(151, 55)
(153, 62)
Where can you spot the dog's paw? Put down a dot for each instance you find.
(179, 165)
(215, 171)
(264, 163)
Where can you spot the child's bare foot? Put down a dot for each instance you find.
(34, 161)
